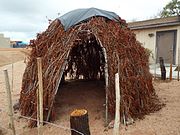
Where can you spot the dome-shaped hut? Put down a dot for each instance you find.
(93, 44)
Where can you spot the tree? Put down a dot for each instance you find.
(171, 9)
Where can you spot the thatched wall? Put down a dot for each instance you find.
(137, 92)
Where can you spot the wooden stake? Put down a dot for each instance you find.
(106, 79)
(12, 77)
(163, 69)
(40, 92)
(9, 100)
(117, 113)
(106, 82)
(155, 59)
(170, 72)
(37, 96)
(178, 72)
(178, 64)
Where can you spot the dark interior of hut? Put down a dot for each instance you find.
(86, 60)
(83, 82)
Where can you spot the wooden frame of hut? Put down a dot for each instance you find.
(103, 39)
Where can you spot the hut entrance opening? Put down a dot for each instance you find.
(83, 85)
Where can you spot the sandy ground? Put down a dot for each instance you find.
(11, 55)
(90, 95)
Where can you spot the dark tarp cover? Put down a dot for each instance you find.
(76, 16)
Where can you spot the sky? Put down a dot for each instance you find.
(23, 19)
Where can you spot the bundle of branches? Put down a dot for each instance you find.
(123, 51)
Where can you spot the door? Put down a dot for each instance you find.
(166, 46)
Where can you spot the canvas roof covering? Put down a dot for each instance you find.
(76, 16)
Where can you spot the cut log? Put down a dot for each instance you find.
(79, 122)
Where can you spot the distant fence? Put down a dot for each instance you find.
(172, 71)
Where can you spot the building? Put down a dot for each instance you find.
(4, 42)
(161, 36)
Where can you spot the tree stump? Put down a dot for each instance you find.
(80, 122)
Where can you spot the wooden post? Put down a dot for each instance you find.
(37, 97)
(117, 113)
(9, 100)
(40, 92)
(178, 72)
(106, 78)
(79, 122)
(12, 78)
(106, 82)
(163, 69)
(178, 64)
(155, 60)
(170, 72)
(171, 58)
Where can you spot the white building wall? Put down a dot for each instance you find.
(150, 41)
(4, 42)
(178, 46)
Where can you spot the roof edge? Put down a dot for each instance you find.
(154, 23)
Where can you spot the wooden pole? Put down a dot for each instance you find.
(40, 92)
(37, 96)
(38, 121)
(178, 64)
(9, 100)
(155, 59)
(106, 79)
(178, 72)
(170, 72)
(12, 77)
(163, 69)
(117, 113)
(12, 66)
(106, 82)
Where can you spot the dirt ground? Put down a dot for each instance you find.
(11, 55)
(91, 96)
